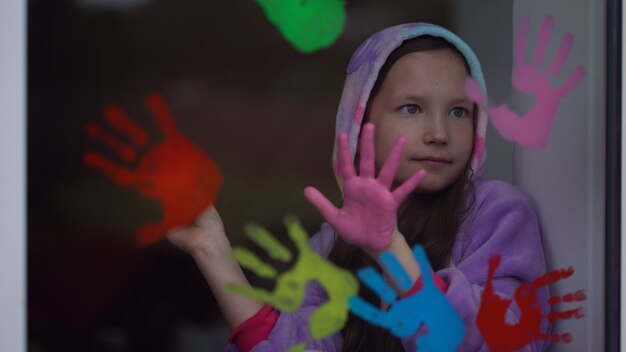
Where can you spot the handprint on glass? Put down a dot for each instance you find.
(182, 177)
(367, 218)
(405, 316)
(532, 130)
(503, 337)
(307, 25)
(288, 294)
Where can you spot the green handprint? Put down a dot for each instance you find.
(290, 287)
(307, 25)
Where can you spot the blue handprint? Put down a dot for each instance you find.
(428, 306)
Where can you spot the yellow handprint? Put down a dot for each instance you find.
(290, 287)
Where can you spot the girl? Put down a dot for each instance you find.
(405, 92)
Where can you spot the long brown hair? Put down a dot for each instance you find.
(431, 220)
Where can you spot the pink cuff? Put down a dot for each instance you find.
(254, 330)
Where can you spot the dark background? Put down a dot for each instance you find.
(238, 90)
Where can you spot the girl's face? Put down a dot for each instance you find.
(423, 99)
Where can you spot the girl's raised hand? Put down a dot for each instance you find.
(368, 216)
(205, 234)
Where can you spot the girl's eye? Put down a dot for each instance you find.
(410, 109)
(459, 112)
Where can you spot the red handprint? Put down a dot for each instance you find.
(178, 174)
(502, 337)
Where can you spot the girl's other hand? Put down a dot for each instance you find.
(207, 243)
(206, 234)
(368, 216)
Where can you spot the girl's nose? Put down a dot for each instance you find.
(435, 131)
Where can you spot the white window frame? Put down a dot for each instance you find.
(13, 175)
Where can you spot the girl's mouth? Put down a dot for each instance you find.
(434, 158)
(434, 162)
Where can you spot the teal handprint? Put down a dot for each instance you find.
(427, 306)
(290, 287)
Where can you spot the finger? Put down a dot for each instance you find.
(565, 315)
(256, 294)
(375, 282)
(367, 312)
(265, 240)
(522, 39)
(561, 55)
(123, 151)
(296, 232)
(116, 173)
(572, 81)
(250, 261)
(323, 205)
(474, 92)
(388, 171)
(346, 168)
(569, 297)
(367, 151)
(120, 121)
(403, 191)
(422, 261)
(397, 272)
(552, 277)
(161, 114)
(545, 34)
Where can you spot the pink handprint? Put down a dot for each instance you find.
(368, 216)
(503, 337)
(178, 174)
(533, 129)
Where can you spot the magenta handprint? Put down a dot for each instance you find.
(532, 130)
(368, 216)
(182, 177)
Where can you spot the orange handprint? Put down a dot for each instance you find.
(175, 172)
(502, 337)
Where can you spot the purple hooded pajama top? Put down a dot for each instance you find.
(502, 222)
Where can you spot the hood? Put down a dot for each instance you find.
(363, 71)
